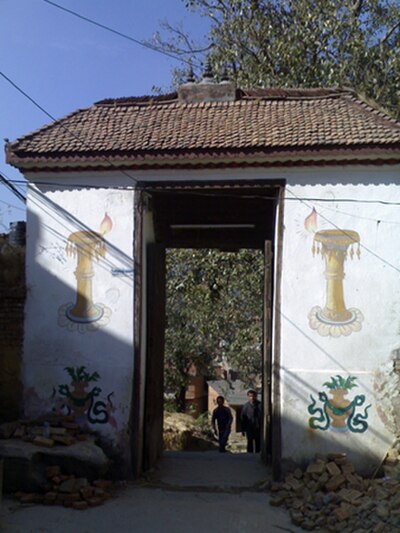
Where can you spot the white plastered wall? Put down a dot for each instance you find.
(363, 201)
(53, 341)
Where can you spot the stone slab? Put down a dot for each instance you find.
(25, 463)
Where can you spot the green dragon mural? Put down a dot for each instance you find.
(339, 413)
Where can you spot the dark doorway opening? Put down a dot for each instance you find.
(227, 216)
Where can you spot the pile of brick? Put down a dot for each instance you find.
(69, 491)
(46, 431)
(330, 496)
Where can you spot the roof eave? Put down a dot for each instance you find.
(373, 155)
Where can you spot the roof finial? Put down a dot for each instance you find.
(190, 74)
(225, 75)
(208, 74)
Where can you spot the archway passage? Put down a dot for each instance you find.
(226, 216)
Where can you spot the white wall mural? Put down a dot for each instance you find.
(334, 246)
(84, 314)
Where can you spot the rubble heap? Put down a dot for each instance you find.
(46, 431)
(330, 496)
(69, 491)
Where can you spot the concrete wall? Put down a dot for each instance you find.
(79, 310)
(349, 219)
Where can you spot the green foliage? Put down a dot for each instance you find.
(302, 43)
(79, 374)
(214, 313)
(339, 382)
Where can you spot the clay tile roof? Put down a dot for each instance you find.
(260, 122)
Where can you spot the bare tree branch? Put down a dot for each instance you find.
(390, 32)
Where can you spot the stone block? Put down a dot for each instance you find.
(347, 468)
(43, 441)
(86, 492)
(297, 517)
(53, 471)
(66, 440)
(298, 473)
(80, 506)
(316, 468)
(334, 483)
(95, 501)
(72, 497)
(343, 512)
(57, 431)
(333, 469)
(106, 484)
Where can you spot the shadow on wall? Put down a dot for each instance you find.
(74, 363)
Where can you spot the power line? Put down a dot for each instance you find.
(124, 35)
(344, 233)
(61, 125)
(255, 196)
(12, 188)
(12, 206)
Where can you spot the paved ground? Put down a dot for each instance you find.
(211, 469)
(183, 502)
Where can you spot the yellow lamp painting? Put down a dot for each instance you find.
(334, 319)
(84, 314)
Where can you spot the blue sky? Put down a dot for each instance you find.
(65, 63)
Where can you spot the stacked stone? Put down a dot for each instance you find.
(47, 431)
(69, 491)
(330, 496)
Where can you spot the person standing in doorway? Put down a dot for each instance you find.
(222, 418)
(251, 422)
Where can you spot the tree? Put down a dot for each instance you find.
(264, 43)
(302, 43)
(214, 313)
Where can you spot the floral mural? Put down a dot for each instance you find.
(82, 402)
(337, 412)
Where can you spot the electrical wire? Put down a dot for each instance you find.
(61, 125)
(11, 206)
(21, 197)
(377, 256)
(124, 35)
(254, 196)
(12, 188)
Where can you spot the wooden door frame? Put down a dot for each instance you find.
(137, 434)
(275, 425)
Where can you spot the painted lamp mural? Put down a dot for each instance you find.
(85, 315)
(334, 319)
(338, 413)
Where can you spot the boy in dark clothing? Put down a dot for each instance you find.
(222, 417)
(251, 422)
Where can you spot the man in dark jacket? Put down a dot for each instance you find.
(251, 422)
(222, 417)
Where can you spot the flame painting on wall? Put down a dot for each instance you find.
(86, 246)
